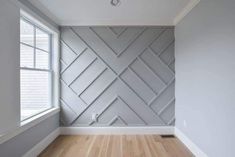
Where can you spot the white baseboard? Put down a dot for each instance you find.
(38, 148)
(116, 130)
(189, 144)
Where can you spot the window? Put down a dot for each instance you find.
(35, 69)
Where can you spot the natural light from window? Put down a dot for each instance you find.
(36, 72)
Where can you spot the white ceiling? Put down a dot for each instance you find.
(101, 12)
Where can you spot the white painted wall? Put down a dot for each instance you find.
(9, 66)
(205, 77)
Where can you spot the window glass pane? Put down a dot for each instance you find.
(26, 56)
(42, 40)
(26, 33)
(35, 84)
(42, 60)
(34, 92)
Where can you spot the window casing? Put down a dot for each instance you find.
(35, 68)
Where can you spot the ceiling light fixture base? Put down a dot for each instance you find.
(115, 3)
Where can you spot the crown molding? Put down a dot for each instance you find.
(112, 22)
(185, 11)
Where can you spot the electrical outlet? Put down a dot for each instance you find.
(94, 117)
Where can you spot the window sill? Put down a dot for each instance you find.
(29, 123)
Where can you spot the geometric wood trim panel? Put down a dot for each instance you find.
(124, 75)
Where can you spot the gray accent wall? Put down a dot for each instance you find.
(124, 75)
(205, 77)
(20, 144)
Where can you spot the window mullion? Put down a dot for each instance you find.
(34, 49)
(50, 52)
(35, 69)
(50, 67)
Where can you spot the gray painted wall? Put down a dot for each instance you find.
(123, 74)
(205, 77)
(9, 66)
(10, 87)
(19, 145)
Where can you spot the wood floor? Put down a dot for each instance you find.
(116, 146)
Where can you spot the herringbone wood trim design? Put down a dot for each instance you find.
(125, 75)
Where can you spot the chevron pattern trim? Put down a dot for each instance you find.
(124, 75)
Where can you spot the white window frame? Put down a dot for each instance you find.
(54, 60)
(50, 59)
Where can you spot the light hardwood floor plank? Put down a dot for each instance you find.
(116, 146)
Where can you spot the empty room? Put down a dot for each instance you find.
(117, 78)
